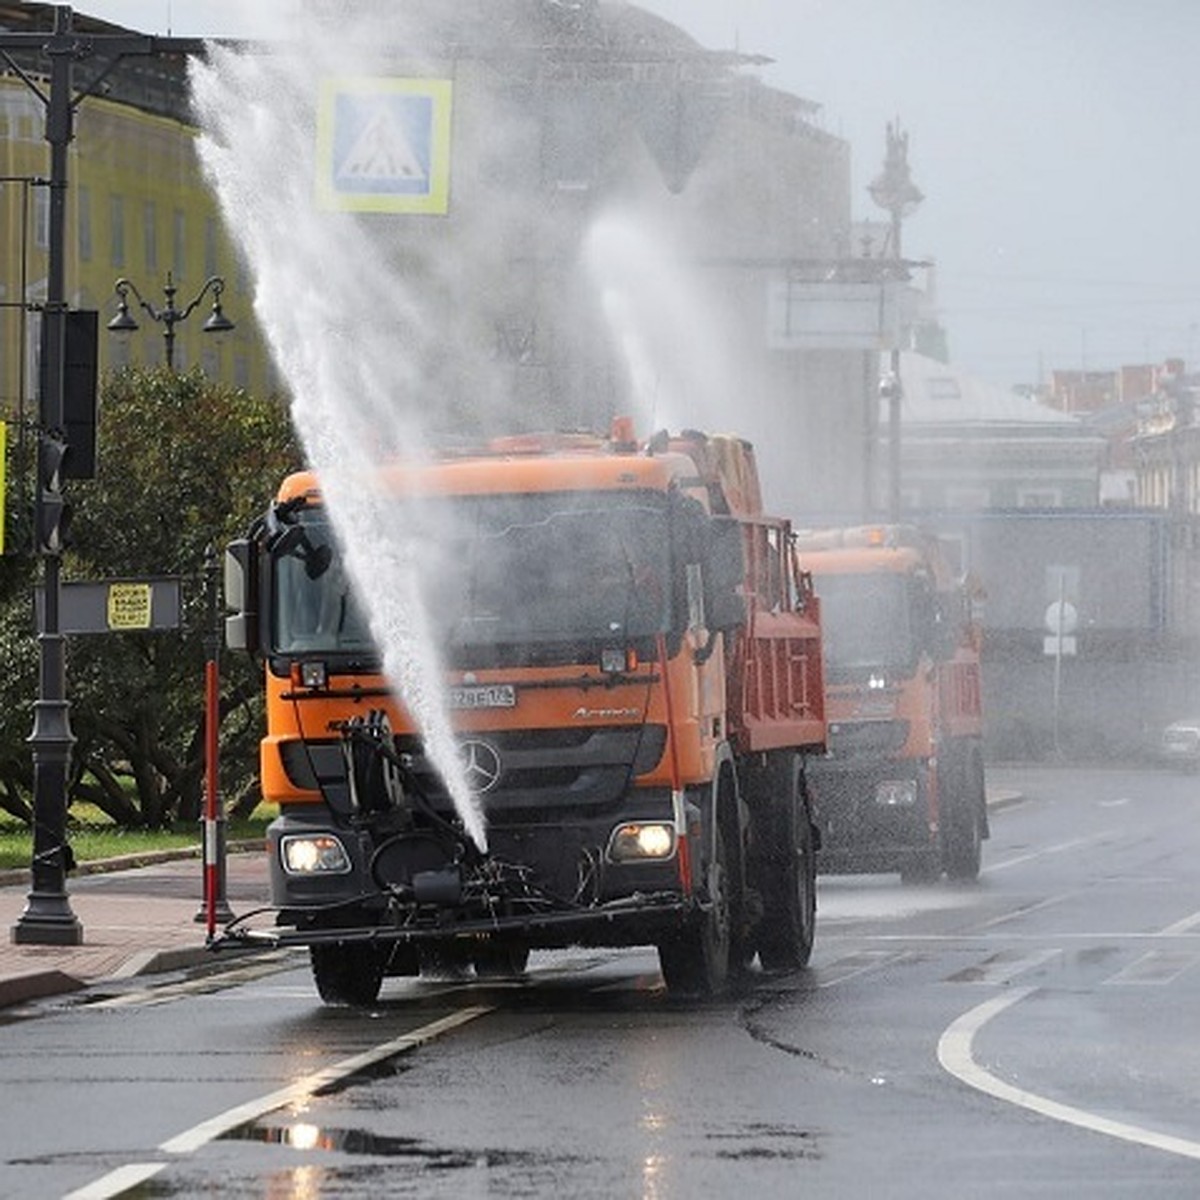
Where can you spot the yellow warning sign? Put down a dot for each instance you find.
(129, 605)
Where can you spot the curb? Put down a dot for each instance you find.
(36, 985)
(15, 876)
(998, 798)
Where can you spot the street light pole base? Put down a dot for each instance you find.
(47, 921)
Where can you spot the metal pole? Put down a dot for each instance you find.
(48, 917)
(169, 318)
(1058, 657)
(216, 906)
(895, 395)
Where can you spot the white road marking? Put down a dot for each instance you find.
(128, 1176)
(115, 1183)
(853, 965)
(1058, 848)
(1154, 968)
(192, 1139)
(1186, 925)
(956, 1057)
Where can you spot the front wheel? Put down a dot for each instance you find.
(500, 959)
(348, 972)
(695, 961)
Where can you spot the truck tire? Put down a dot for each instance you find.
(500, 959)
(963, 830)
(348, 972)
(789, 922)
(695, 960)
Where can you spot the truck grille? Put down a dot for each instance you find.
(536, 768)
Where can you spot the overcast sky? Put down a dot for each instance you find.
(1055, 142)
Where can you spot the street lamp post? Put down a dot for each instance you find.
(169, 316)
(894, 191)
(48, 917)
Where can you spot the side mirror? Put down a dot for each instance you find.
(241, 595)
(724, 574)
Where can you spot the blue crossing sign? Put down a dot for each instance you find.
(383, 145)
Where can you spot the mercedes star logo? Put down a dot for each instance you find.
(481, 765)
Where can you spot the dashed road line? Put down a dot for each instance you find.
(1155, 968)
(1041, 852)
(123, 1178)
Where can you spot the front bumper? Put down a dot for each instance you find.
(873, 816)
(550, 884)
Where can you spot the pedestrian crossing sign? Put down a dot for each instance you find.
(383, 145)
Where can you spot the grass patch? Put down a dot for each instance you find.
(93, 836)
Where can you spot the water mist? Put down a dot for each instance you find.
(670, 343)
(351, 337)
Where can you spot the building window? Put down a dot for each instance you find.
(116, 230)
(179, 246)
(210, 248)
(968, 497)
(1039, 498)
(84, 209)
(150, 235)
(41, 217)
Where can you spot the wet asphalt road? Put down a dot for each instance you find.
(1033, 1035)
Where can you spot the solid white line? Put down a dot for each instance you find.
(955, 1056)
(117, 1182)
(192, 1139)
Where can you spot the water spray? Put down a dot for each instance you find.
(349, 337)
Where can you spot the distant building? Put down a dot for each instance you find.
(967, 445)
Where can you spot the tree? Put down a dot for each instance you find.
(183, 465)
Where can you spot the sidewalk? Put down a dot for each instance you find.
(136, 921)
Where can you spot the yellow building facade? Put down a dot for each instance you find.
(138, 208)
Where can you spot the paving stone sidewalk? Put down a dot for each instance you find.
(136, 920)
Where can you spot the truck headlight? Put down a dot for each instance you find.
(314, 854)
(896, 793)
(642, 840)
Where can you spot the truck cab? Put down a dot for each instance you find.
(901, 787)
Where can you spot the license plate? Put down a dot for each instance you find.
(496, 695)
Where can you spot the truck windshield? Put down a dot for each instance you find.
(502, 570)
(866, 622)
(552, 567)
